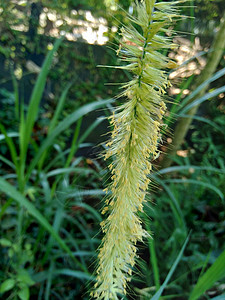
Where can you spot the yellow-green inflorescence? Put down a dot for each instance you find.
(134, 142)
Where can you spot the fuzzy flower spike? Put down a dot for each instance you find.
(133, 143)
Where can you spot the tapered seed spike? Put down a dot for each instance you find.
(133, 143)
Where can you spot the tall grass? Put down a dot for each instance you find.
(38, 173)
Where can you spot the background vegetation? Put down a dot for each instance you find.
(52, 179)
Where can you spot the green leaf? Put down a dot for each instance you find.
(55, 119)
(89, 208)
(160, 291)
(11, 146)
(90, 129)
(75, 145)
(205, 120)
(154, 260)
(5, 243)
(205, 184)
(68, 171)
(5, 206)
(58, 108)
(175, 105)
(173, 203)
(217, 75)
(7, 285)
(23, 276)
(80, 253)
(42, 276)
(36, 98)
(76, 274)
(81, 193)
(24, 293)
(215, 273)
(202, 99)
(7, 162)
(49, 279)
(59, 215)
(16, 95)
(187, 167)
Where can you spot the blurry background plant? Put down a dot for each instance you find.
(50, 192)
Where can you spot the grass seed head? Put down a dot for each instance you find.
(134, 142)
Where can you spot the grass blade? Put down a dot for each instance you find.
(202, 99)
(61, 171)
(205, 184)
(7, 162)
(56, 225)
(173, 203)
(11, 146)
(90, 129)
(54, 120)
(50, 273)
(175, 105)
(154, 262)
(87, 207)
(181, 168)
(62, 126)
(42, 276)
(16, 95)
(82, 193)
(214, 273)
(216, 76)
(5, 206)
(205, 120)
(35, 100)
(76, 274)
(59, 108)
(74, 145)
(161, 289)
(153, 256)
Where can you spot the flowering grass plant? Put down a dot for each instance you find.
(134, 142)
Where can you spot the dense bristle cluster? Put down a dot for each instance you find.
(133, 143)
